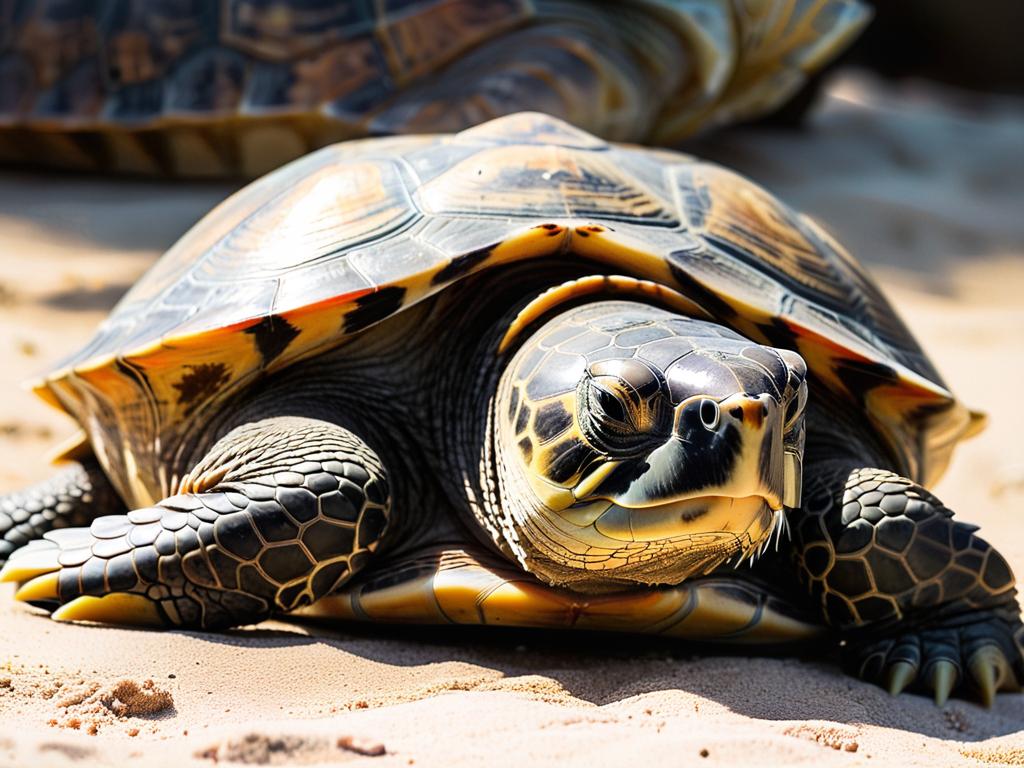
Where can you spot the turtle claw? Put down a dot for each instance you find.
(988, 670)
(40, 589)
(975, 657)
(30, 562)
(898, 676)
(943, 680)
(121, 608)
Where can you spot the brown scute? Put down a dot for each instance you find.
(201, 382)
(374, 307)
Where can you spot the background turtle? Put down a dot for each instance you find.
(241, 86)
(518, 376)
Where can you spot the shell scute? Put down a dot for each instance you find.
(544, 181)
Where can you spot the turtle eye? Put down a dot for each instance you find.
(608, 404)
(615, 420)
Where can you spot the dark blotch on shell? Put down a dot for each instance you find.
(374, 307)
(199, 383)
(272, 336)
(460, 265)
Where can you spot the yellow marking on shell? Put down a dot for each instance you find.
(42, 389)
(527, 603)
(621, 250)
(726, 616)
(610, 285)
(39, 588)
(114, 608)
(532, 242)
(890, 405)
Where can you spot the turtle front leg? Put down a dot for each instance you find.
(73, 496)
(922, 601)
(280, 512)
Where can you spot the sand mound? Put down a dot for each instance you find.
(91, 706)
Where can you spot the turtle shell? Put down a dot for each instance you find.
(343, 238)
(195, 87)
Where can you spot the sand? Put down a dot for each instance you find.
(924, 185)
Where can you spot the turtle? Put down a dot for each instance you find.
(518, 376)
(238, 87)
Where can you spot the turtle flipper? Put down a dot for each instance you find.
(74, 496)
(279, 513)
(464, 584)
(925, 604)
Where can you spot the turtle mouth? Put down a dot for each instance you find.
(671, 541)
(749, 518)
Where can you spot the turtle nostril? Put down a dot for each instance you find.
(709, 413)
(764, 410)
(736, 412)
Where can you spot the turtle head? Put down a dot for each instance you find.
(641, 446)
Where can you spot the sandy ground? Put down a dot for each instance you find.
(924, 186)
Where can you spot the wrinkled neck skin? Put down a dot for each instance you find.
(462, 410)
